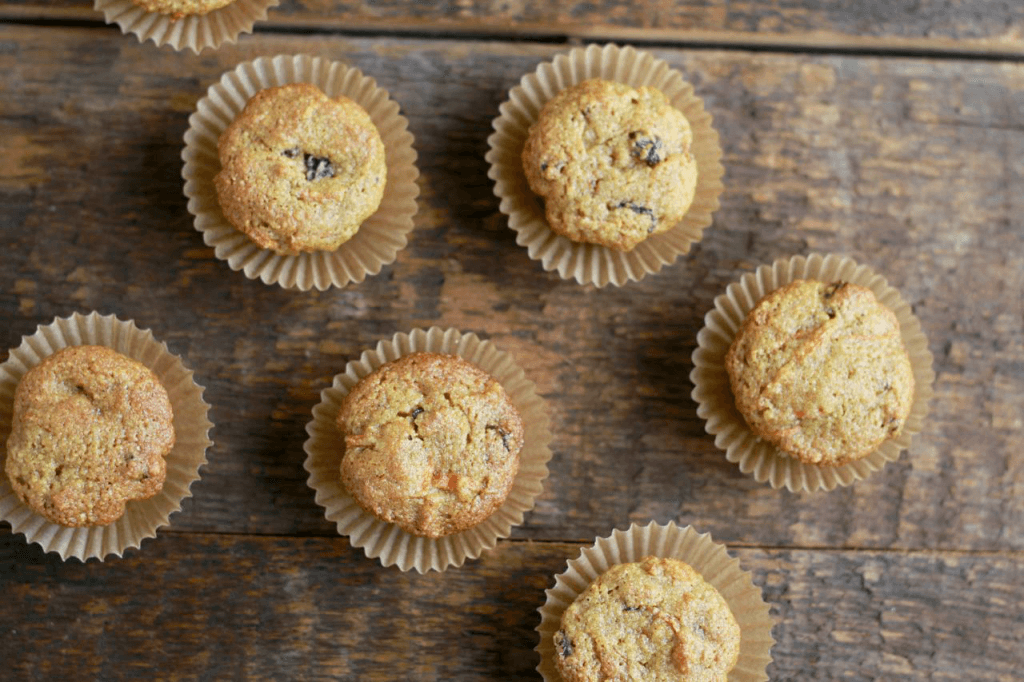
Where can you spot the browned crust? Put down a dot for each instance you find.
(91, 429)
(431, 444)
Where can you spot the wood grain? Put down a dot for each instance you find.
(984, 27)
(911, 166)
(259, 608)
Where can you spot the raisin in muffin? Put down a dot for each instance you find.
(90, 431)
(656, 620)
(300, 171)
(820, 370)
(612, 163)
(431, 444)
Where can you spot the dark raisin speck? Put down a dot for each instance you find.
(630, 608)
(650, 151)
(544, 166)
(504, 437)
(292, 153)
(318, 168)
(831, 312)
(416, 412)
(642, 210)
(564, 645)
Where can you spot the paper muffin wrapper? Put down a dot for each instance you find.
(379, 238)
(142, 518)
(670, 541)
(592, 263)
(385, 541)
(195, 32)
(715, 401)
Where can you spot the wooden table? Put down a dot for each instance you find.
(890, 132)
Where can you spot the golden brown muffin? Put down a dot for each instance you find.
(300, 171)
(819, 369)
(656, 620)
(612, 163)
(90, 431)
(431, 444)
(181, 8)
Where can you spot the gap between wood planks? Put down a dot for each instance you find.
(811, 44)
(907, 551)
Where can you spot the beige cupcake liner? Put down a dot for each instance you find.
(714, 398)
(195, 32)
(142, 518)
(380, 237)
(387, 542)
(670, 541)
(590, 263)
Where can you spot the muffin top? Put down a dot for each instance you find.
(612, 163)
(300, 171)
(90, 430)
(656, 620)
(431, 444)
(819, 369)
(181, 8)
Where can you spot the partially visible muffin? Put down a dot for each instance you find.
(90, 431)
(431, 444)
(656, 620)
(181, 8)
(300, 171)
(820, 370)
(612, 163)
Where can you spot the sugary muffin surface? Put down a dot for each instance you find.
(820, 370)
(656, 620)
(431, 444)
(300, 171)
(612, 163)
(90, 431)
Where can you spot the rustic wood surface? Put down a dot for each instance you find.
(910, 165)
(974, 27)
(255, 607)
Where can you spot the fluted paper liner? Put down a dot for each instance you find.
(385, 541)
(715, 401)
(591, 263)
(195, 32)
(670, 541)
(379, 238)
(142, 518)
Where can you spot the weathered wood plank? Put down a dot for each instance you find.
(222, 607)
(911, 166)
(979, 26)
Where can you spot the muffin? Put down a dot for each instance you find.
(90, 431)
(654, 620)
(431, 444)
(820, 370)
(181, 8)
(300, 171)
(612, 163)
